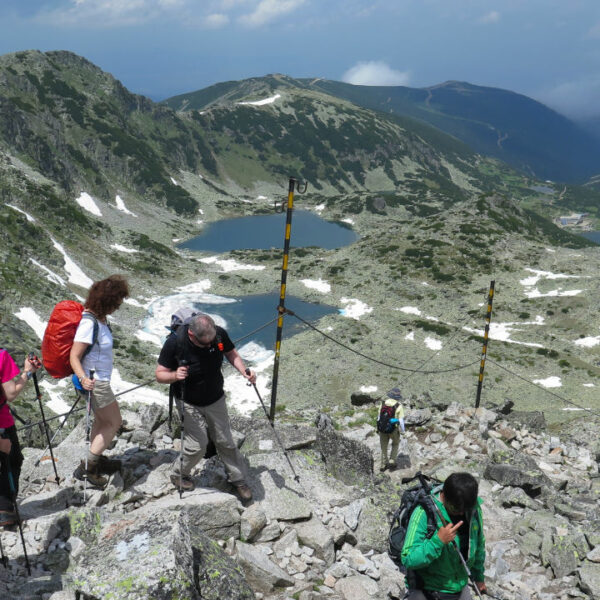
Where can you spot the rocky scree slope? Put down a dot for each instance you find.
(324, 537)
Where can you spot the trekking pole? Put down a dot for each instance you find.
(423, 480)
(488, 318)
(182, 363)
(13, 495)
(171, 395)
(66, 416)
(296, 477)
(87, 436)
(34, 359)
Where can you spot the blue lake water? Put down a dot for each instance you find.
(594, 236)
(250, 312)
(543, 189)
(268, 231)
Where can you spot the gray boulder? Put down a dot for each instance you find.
(150, 556)
(349, 460)
(314, 534)
(589, 579)
(262, 574)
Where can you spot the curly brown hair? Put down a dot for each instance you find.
(106, 296)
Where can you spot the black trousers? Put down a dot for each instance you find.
(14, 461)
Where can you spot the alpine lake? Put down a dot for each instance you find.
(247, 313)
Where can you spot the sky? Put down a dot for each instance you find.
(546, 49)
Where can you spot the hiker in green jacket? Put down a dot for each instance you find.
(437, 571)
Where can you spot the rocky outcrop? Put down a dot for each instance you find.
(308, 534)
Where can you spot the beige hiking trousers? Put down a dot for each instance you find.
(202, 422)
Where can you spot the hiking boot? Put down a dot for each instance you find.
(185, 482)
(107, 465)
(7, 518)
(243, 491)
(92, 475)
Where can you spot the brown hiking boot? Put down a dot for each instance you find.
(7, 518)
(185, 482)
(107, 465)
(243, 491)
(92, 475)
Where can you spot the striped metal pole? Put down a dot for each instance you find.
(281, 307)
(488, 318)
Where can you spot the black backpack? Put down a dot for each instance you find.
(386, 413)
(411, 498)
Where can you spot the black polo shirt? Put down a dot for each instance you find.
(204, 383)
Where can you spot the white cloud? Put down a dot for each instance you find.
(491, 17)
(216, 20)
(107, 13)
(269, 10)
(375, 73)
(594, 32)
(575, 98)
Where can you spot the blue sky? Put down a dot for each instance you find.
(546, 49)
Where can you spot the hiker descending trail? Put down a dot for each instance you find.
(192, 359)
(389, 423)
(91, 359)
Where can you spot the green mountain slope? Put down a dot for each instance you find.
(80, 127)
(494, 122)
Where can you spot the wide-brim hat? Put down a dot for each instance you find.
(395, 394)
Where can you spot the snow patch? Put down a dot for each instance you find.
(143, 395)
(123, 249)
(50, 275)
(411, 310)
(549, 382)
(317, 284)
(354, 308)
(367, 389)
(503, 331)
(320, 208)
(589, 385)
(76, 275)
(230, 264)
(587, 342)
(174, 182)
(410, 336)
(121, 206)
(349, 221)
(27, 215)
(87, 203)
(269, 100)
(433, 344)
(32, 319)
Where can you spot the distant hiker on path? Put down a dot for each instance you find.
(193, 358)
(389, 423)
(12, 382)
(104, 298)
(434, 561)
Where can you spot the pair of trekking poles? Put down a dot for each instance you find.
(6, 465)
(185, 363)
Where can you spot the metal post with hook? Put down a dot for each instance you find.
(488, 318)
(294, 184)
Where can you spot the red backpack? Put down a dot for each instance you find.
(59, 335)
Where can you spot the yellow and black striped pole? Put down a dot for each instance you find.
(488, 318)
(281, 307)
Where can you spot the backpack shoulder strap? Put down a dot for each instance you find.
(95, 333)
(181, 351)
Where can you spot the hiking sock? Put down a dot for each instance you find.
(92, 459)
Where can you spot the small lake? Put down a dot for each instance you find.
(240, 316)
(268, 231)
(543, 189)
(594, 236)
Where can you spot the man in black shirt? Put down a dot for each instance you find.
(192, 359)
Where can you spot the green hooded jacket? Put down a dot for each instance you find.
(436, 563)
